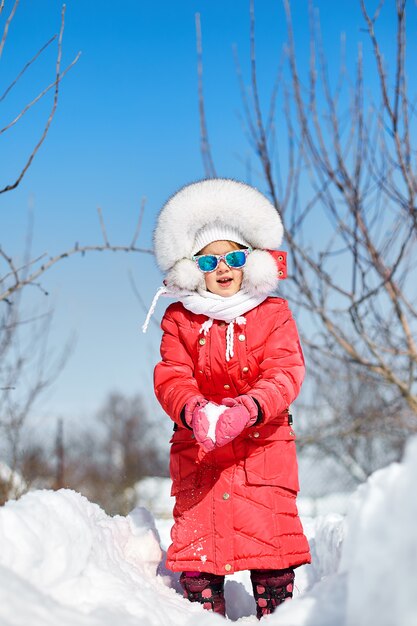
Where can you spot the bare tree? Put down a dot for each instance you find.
(15, 274)
(353, 420)
(27, 366)
(345, 183)
(359, 284)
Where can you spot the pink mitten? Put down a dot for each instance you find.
(193, 403)
(241, 412)
(204, 424)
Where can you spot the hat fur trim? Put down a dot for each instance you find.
(260, 273)
(185, 275)
(216, 201)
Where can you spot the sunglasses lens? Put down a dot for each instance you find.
(236, 258)
(207, 262)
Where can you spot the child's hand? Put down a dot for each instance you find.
(204, 422)
(240, 413)
(192, 405)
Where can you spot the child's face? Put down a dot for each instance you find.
(224, 281)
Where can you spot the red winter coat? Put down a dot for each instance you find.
(235, 507)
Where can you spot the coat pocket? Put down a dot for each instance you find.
(272, 458)
(183, 462)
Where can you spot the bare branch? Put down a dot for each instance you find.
(38, 97)
(141, 301)
(139, 224)
(31, 278)
(262, 146)
(103, 227)
(7, 25)
(54, 104)
(27, 65)
(209, 168)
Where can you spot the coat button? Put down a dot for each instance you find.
(241, 337)
(292, 433)
(245, 369)
(227, 567)
(280, 258)
(202, 341)
(280, 273)
(226, 386)
(226, 496)
(256, 435)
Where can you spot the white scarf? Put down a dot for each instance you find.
(224, 308)
(228, 309)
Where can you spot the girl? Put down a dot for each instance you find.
(231, 366)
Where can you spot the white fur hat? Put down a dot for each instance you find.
(211, 210)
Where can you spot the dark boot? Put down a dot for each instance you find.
(207, 589)
(271, 587)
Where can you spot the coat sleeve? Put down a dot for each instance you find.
(282, 368)
(174, 380)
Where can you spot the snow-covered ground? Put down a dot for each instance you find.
(64, 561)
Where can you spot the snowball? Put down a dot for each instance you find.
(213, 412)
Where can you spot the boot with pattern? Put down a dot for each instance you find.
(207, 589)
(271, 588)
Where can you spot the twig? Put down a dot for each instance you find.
(38, 97)
(209, 168)
(31, 278)
(261, 135)
(53, 109)
(140, 299)
(103, 227)
(7, 25)
(28, 64)
(139, 224)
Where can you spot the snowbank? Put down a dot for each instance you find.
(63, 560)
(375, 581)
(380, 554)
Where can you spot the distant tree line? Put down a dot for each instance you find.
(103, 459)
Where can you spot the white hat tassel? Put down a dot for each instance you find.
(151, 311)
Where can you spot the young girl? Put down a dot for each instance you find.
(231, 367)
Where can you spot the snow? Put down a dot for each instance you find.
(63, 560)
(213, 412)
(332, 503)
(154, 493)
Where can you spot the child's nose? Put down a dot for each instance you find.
(222, 265)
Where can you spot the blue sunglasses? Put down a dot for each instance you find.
(234, 259)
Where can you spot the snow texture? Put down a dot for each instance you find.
(213, 412)
(64, 561)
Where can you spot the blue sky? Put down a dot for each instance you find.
(126, 127)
